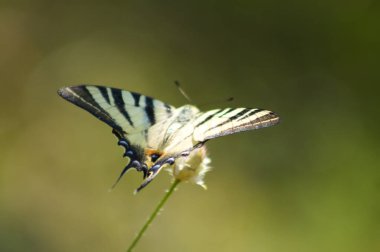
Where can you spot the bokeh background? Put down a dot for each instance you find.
(311, 183)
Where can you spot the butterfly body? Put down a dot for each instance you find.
(156, 135)
(175, 131)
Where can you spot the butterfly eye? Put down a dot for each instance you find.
(154, 157)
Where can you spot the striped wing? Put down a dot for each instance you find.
(127, 112)
(221, 122)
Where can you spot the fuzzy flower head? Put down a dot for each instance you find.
(193, 167)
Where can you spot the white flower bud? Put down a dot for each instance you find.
(193, 167)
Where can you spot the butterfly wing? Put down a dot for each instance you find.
(221, 122)
(129, 114)
(126, 112)
(189, 129)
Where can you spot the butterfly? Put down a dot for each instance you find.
(155, 134)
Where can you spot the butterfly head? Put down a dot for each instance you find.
(151, 157)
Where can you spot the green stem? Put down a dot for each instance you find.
(153, 215)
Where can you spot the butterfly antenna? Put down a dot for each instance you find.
(182, 91)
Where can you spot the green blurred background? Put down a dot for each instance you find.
(311, 183)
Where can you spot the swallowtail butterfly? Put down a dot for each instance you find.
(155, 134)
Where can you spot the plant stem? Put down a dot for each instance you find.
(153, 215)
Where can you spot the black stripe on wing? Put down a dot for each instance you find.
(209, 117)
(136, 98)
(239, 116)
(253, 111)
(103, 91)
(149, 110)
(120, 104)
(80, 96)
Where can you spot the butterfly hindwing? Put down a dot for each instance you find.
(129, 114)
